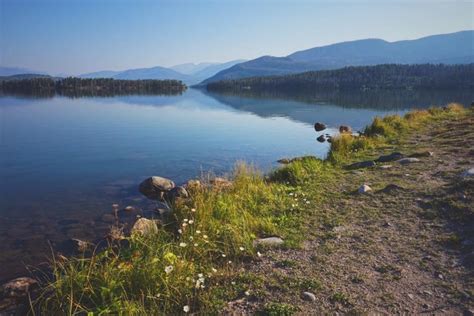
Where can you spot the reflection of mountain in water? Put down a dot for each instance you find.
(335, 108)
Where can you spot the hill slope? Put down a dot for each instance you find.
(454, 48)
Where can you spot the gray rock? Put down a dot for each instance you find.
(144, 227)
(220, 182)
(391, 157)
(319, 127)
(364, 189)
(269, 241)
(386, 166)
(362, 164)
(321, 139)
(421, 154)
(193, 184)
(176, 193)
(19, 287)
(406, 161)
(162, 207)
(468, 173)
(155, 187)
(129, 208)
(308, 296)
(284, 161)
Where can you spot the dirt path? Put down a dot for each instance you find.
(407, 249)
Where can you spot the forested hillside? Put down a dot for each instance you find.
(90, 87)
(390, 76)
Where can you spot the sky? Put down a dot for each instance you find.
(79, 36)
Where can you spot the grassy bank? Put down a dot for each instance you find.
(193, 263)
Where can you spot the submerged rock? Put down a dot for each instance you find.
(155, 187)
(321, 139)
(269, 241)
(364, 189)
(391, 157)
(18, 288)
(405, 161)
(319, 126)
(345, 129)
(144, 227)
(362, 164)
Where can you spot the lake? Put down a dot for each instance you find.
(65, 161)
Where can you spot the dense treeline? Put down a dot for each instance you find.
(89, 87)
(389, 76)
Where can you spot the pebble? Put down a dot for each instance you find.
(411, 296)
(269, 241)
(308, 296)
(386, 166)
(405, 161)
(468, 173)
(364, 189)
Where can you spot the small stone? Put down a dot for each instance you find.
(345, 129)
(468, 173)
(362, 164)
(405, 161)
(193, 184)
(144, 227)
(387, 224)
(308, 296)
(319, 127)
(421, 154)
(177, 193)
(321, 139)
(386, 166)
(129, 209)
(269, 241)
(391, 157)
(364, 189)
(425, 306)
(411, 296)
(427, 292)
(439, 276)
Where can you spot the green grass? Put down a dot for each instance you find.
(192, 261)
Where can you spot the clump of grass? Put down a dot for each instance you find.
(388, 129)
(299, 171)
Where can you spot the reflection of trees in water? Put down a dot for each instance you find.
(379, 100)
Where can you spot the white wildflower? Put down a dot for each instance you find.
(204, 236)
(183, 244)
(180, 231)
(168, 269)
(193, 210)
(186, 308)
(241, 248)
(247, 293)
(191, 222)
(259, 254)
(198, 232)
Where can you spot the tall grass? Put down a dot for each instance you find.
(174, 270)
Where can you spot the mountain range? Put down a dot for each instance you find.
(454, 48)
(188, 73)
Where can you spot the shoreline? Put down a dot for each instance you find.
(289, 179)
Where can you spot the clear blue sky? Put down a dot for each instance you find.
(80, 36)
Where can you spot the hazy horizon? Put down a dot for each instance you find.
(77, 37)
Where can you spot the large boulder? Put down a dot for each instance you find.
(156, 187)
(319, 127)
(144, 227)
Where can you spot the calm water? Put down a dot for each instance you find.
(64, 161)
